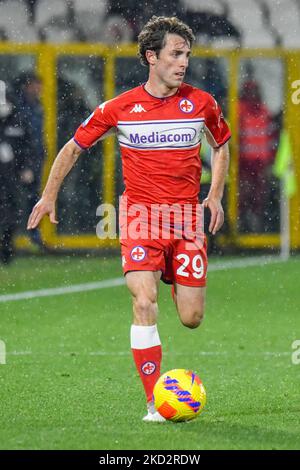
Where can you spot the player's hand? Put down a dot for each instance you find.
(216, 214)
(42, 207)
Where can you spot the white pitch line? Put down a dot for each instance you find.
(128, 353)
(119, 281)
(33, 294)
(245, 263)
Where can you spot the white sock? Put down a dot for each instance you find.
(143, 337)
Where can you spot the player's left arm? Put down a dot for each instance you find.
(219, 169)
(217, 135)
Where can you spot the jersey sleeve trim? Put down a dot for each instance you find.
(79, 145)
(223, 143)
(217, 144)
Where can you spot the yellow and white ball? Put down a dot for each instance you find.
(179, 395)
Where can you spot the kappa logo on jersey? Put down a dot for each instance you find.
(138, 253)
(123, 261)
(186, 105)
(88, 119)
(148, 368)
(102, 106)
(137, 108)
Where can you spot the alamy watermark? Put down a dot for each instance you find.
(296, 93)
(2, 352)
(153, 221)
(296, 353)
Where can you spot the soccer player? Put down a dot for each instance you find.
(159, 127)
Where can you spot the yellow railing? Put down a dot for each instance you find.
(46, 60)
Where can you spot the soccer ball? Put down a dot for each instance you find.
(179, 395)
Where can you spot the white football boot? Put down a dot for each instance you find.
(153, 416)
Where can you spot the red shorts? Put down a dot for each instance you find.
(181, 260)
(177, 263)
(176, 248)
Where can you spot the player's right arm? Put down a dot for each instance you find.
(63, 163)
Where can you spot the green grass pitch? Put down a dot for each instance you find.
(69, 381)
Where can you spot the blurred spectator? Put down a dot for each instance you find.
(30, 111)
(214, 82)
(117, 30)
(255, 158)
(11, 143)
(207, 26)
(137, 13)
(3, 35)
(71, 107)
(31, 7)
(81, 186)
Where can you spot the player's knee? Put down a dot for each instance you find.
(192, 322)
(193, 319)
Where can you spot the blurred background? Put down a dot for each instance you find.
(60, 59)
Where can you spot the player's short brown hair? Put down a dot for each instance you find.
(153, 35)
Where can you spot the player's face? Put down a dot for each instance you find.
(173, 60)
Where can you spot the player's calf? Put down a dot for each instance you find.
(145, 310)
(143, 287)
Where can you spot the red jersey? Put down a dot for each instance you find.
(160, 141)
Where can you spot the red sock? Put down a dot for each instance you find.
(147, 354)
